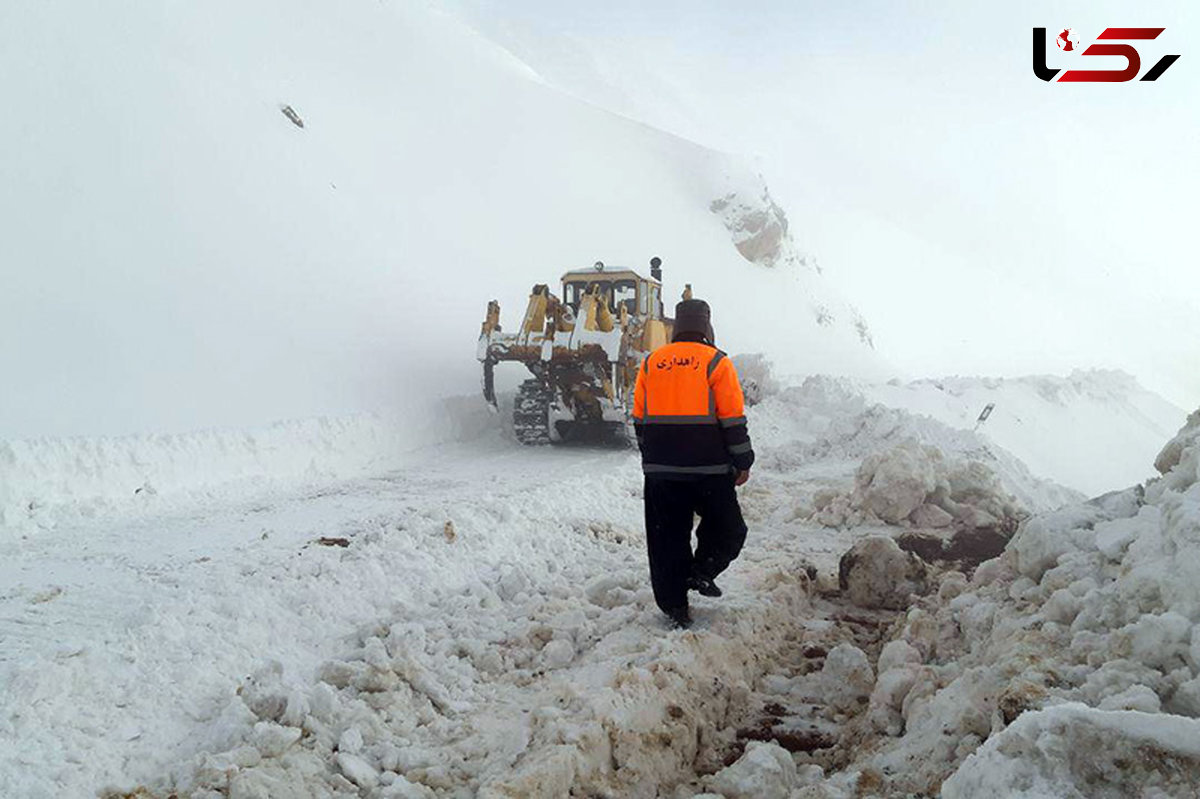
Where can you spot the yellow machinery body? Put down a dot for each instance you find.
(583, 348)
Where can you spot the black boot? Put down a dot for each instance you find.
(681, 618)
(703, 585)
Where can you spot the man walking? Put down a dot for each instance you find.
(689, 416)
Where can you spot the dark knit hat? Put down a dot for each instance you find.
(694, 316)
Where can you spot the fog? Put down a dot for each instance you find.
(985, 222)
(178, 255)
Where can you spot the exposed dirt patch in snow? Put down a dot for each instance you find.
(1066, 667)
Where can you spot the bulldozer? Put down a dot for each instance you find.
(583, 348)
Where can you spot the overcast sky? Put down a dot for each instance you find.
(984, 221)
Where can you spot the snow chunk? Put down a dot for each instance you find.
(950, 585)
(1042, 540)
(1062, 607)
(894, 483)
(1160, 641)
(764, 771)
(609, 591)
(897, 654)
(558, 653)
(1186, 700)
(400, 788)
(263, 692)
(1135, 697)
(887, 700)
(272, 740)
(876, 573)
(351, 741)
(1112, 538)
(362, 773)
(928, 515)
(847, 677)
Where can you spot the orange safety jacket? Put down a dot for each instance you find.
(689, 413)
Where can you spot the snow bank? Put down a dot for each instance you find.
(51, 481)
(910, 469)
(1096, 603)
(1093, 430)
(918, 483)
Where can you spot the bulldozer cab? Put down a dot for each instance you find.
(616, 293)
(620, 289)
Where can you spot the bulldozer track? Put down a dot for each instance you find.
(531, 413)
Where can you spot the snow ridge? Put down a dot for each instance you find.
(49, 482)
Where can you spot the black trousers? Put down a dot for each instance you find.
(670, 505)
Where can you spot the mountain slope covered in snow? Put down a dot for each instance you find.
(1094, 431)
(183, 256)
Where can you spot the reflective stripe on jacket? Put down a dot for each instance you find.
(689, 413)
